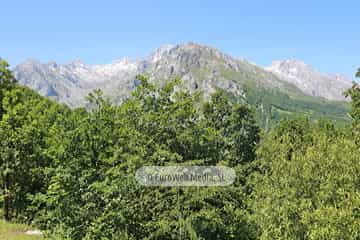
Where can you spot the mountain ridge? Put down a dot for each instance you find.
(86, 76)
(302, 75)
(285, 88)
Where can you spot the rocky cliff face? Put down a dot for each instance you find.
(309, 80)
(200, 67)
(70, 83)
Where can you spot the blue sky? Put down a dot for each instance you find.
(323, 33)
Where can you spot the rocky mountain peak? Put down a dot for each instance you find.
(190, 49)
(309, 80)
(291, 67)
(78, 63)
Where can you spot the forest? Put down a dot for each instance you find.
(71, 172)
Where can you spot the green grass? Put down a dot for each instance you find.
(273, 106)
(12, 231)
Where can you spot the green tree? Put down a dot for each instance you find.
(6, 81)
(94, 195)
(6, 75)
(354, 94)
(24, 130)
(310, 192)
(26, 121)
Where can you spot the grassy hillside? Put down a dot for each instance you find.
(284, 101)
(272, 106)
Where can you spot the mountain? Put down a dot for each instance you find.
(70, 83)
(309, 80)
(200, 67)
(285, 88)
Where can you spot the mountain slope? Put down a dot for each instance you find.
(200, 67)
(70, 83)
(309, 80)
(278, 91)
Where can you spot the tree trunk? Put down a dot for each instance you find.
(7, 214)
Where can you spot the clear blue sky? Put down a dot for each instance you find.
(323, 33)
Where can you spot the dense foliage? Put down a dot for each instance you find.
(71, 171)
(307, 184)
